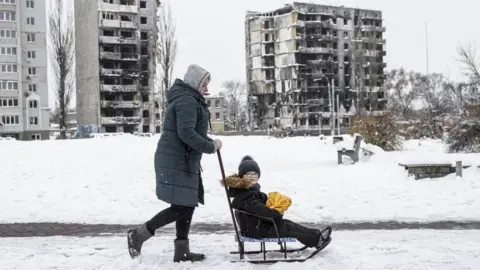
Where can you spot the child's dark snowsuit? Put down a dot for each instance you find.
(253, 201)
(249, 198)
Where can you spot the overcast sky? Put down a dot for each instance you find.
(211, 33)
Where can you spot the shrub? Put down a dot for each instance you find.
(465, 137)
(377, 130)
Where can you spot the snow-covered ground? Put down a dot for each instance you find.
(112, 181)
(349, 250)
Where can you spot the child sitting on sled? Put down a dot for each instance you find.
(245, 191)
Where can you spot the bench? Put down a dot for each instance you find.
(352, 153)
(433, 170)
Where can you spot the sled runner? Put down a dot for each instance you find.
(242, 239)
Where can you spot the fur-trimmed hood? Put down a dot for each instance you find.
(238, 185)
(235, 181)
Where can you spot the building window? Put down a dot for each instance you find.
(30, 20)
(8, 102)
(8, 51)
(32, 71)
(33, 104)
(30, 37)
(9, 68)
(8, 16)
(144, 35)
(31, 55)
(143, 4)
(209, 103)
(8, 1)
(143, 20)
(34, 120)
(8, 85)
(36, 137)
(217, 116)
(217, 103)
(8, 33)
(10, 120)
(30, 4)
(32, 88)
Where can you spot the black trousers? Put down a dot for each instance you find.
(181, 215)
(307, 236)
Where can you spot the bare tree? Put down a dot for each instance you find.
(165, 53)
(470, 63)
(62, 55)
(436, 95)
(402, 87)
(468, 93)
(438, 100)
(236, 105)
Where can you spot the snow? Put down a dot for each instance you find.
(112, 180)
(349, 250)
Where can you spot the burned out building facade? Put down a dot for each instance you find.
(115, 67)
(304, 59)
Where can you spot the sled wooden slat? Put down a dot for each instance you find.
(266, 240)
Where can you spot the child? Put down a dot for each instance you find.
(245, 190)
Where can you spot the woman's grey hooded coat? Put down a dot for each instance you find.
(183, 141)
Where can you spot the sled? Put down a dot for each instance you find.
(242, 239)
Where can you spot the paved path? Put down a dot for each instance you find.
(75, 229)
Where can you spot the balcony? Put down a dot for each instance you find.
(145, 89)
(367, 28)
(370, 17)
(373, 40)
(118, 40)
(374, 53)
(119, 120)
(120, 104)
(120, 56)
(109, 72)
(324, 24)
(117, 24)
(118, 8)
(302, 49)
(108, 88)
(109, 55)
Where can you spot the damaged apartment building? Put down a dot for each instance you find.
(115, 68)
(302, 55)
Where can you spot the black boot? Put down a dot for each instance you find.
(324, 237)
(182, 252)
(136, 238)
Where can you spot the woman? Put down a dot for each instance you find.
(177, 163)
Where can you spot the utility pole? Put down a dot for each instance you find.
(332, 108)
(426, 45)
(338, 115)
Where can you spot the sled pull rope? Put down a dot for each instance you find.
(222, 169)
